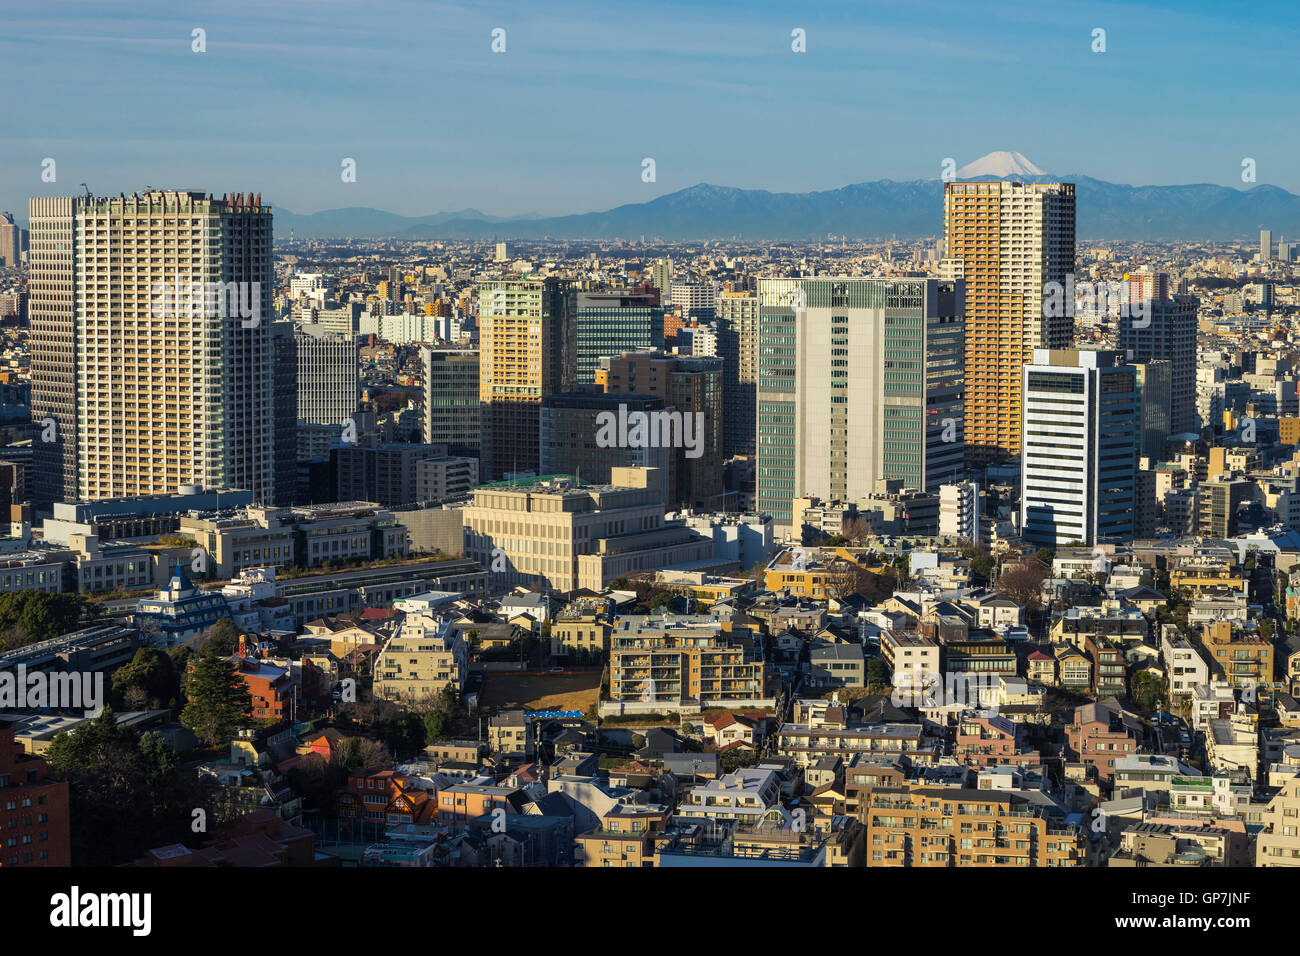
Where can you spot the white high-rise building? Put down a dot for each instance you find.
(697, 340)
(1078, 477)
(156, 368)
(305, 283)
(327, 375)
(959, 510)
(695, 301)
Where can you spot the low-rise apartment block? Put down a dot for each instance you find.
(422, 658)
(683, 663)
(917, 825)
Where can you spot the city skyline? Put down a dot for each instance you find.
(935, 505)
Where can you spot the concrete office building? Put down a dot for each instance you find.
(445, 476)
(695, 301)
(11, 241)
(738, 349)
(860, 380)
(327, 375)
(610, 323)
(1008, 239)
(692, 388)
(1167, 334)
(451, 399)
(1154, 383)
(1081, 443)
(386, 473)
(571, 437)
(282, 337)
(552, 532)
(306, 283)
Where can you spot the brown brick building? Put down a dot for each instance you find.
(1099, 734)
(35, 828)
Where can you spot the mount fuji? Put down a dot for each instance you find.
(1000, 165)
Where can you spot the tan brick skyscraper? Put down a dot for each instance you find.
(1007, 239)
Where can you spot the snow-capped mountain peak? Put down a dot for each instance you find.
(1001, 164)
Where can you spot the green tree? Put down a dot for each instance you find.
(404, 733)
(219, 702)
(221, 639)
(149, 682)
(28, 617)
(738, 759)
(435, 726)
(1149, 692)
(877, 675)
(981, 562)
(661, 600)
(125, 791)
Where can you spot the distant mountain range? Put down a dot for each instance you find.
(880, 209)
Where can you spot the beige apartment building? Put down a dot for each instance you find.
(583, 626)
(1007, 240)
(915, 825)
(425, 656)
(683, 663)
(1278, 843)
(151, 356)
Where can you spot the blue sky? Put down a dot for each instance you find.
(561, 121)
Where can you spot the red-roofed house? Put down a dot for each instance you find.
(728, 730)
(326, 743)
(1040, 668)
